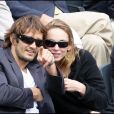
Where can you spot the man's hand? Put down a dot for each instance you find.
(46, 58)
(45, 19)
(37, 95)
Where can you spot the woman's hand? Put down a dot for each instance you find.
(73, 85)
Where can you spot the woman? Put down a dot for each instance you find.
(83, 84)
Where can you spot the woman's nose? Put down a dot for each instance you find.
(56, 46)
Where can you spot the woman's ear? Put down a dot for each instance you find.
(13, 40)
(69, 48)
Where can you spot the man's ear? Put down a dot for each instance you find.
(13, 40)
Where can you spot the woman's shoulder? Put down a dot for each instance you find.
(85, 55)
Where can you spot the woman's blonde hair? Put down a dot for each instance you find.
(65, 64)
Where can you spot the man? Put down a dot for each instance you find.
(44, 9)
(23, 80)
(110, 107)
(6, 20)
(93, 28)
(108, 75)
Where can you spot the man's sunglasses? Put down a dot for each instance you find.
(50, 43)
(29, 40)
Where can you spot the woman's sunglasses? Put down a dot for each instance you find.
(29, 40)
(50, 43)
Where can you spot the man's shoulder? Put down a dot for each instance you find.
(2, 54)
(1, 48)
(1, 51)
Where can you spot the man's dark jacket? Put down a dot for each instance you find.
(13, 96)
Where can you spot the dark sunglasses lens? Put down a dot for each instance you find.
(26, 39)
(30, 40)
(39, 43)
(49, 43)
(62, 44)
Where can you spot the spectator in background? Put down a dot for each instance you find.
(104, 6)
(44, 9)
(6, 20)
(110, 107)
(112, 62)
(95, 31)
(84, 86)
(23, 80)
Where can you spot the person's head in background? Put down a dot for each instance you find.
(59, 40)
(24, 38)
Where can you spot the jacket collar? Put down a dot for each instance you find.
(34, 67)
(14, 66)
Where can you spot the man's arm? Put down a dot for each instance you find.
(14, 96)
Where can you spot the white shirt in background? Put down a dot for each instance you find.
(77, 40)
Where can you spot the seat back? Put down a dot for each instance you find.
(106, 73)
